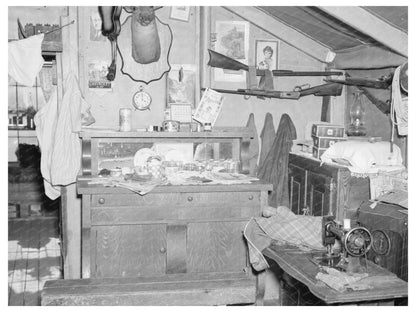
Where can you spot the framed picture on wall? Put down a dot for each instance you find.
(267, 54)
(232, 40)
(180, 13)
(181, 85)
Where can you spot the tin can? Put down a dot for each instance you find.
(170, 126)
(207, 127)
(125, 119)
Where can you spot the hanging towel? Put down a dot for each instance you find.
(25, 59)
(45, 120)
(57, 132)
(267, 136)
(275, 167)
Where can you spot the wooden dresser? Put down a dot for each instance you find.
(173, 233)
(171, 230)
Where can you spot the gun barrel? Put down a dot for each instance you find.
(292, 95)
(283, 73)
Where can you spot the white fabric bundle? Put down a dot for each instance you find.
(25, 59)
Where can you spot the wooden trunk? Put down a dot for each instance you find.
(324, 189)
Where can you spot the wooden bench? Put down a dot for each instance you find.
(174, 289)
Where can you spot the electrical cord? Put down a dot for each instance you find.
(167, 57)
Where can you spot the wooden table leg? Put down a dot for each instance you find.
(260, 288)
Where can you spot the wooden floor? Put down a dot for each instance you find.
(34, 257)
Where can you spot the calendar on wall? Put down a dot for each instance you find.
(181, 112)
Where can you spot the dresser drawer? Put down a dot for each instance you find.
(133, 215)
(170, 207)
(176, 199)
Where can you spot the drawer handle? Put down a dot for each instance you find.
(190, 198)
(251, 197)
(101, 200)
(162, 250)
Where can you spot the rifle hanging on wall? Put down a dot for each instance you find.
(219, 60)
(327, 89)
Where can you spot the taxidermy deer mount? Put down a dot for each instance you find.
(145, 37)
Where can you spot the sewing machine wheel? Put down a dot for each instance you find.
(358, 241)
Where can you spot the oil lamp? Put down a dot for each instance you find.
(357, 112)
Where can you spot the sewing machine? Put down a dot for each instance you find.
(354, 245)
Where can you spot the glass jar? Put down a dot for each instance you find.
(357, 112)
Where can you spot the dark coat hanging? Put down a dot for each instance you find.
(275, 167)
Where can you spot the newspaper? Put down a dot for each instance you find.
(209, 107)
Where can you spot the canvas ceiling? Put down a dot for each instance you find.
(349, 39)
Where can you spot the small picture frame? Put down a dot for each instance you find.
(267, 54)
(180, 13)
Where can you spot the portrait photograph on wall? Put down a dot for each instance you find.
(267, 54)
(232, 40)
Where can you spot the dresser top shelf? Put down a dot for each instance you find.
(224, 132)
(84, 188)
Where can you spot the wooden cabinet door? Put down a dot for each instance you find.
(216, 247)
(319, 194)
(297, 188)
(128, 250)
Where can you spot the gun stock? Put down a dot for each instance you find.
(383, 83)
(333, 89)
(219, 60)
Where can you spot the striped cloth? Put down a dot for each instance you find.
(284, 227)
(57, 131)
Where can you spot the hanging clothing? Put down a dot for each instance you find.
(275, 167)
(267, 137)
(57, 130)
(25, 59)
(399, 104)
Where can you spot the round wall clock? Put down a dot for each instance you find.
(142, 100)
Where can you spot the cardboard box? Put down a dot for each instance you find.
(324, 142)
(327, 130)
(317, 152)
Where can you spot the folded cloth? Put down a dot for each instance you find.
(141, 188)
(341, 281)
(25, 59)
(285, 227)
